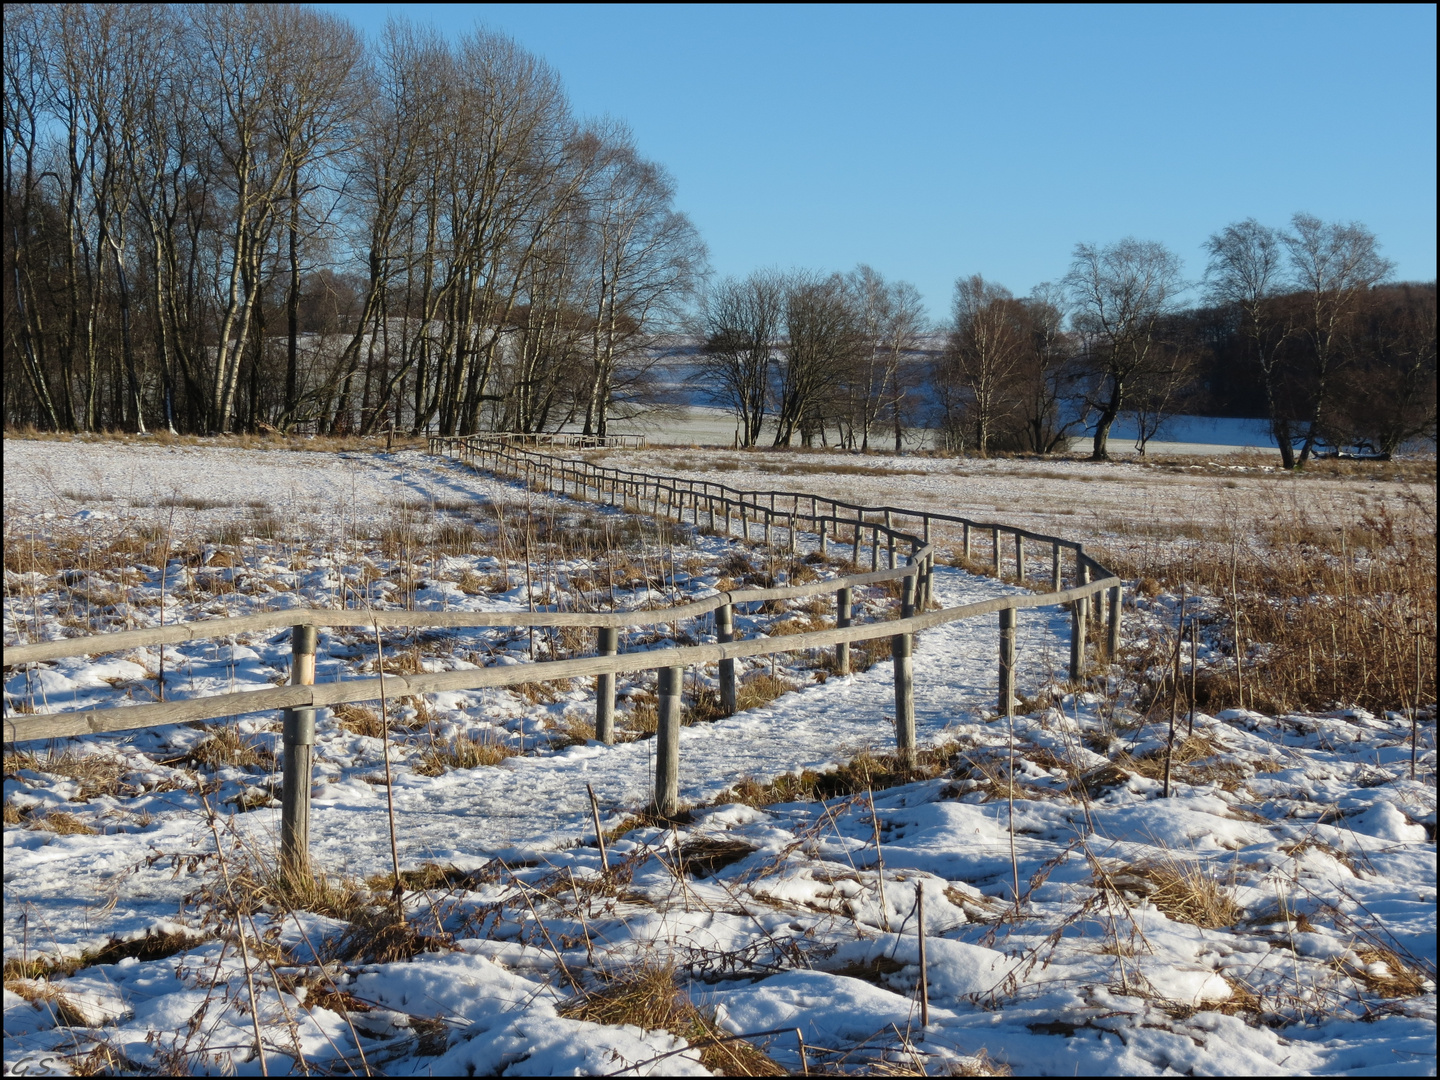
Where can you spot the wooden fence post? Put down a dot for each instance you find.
(607, 645)
(901, 646)
(1007, 661)
(1078, 611)
(995, 537)
(299, 753)
(1112, 643)
(859, 525)
(1020, 557)
(889, 542)
(725, 631)
(667, 742)
(820, 524)
(965, 539)
(875, 546)
(842, 619)
(1055, 567)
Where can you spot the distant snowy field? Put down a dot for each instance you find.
(1321, 959)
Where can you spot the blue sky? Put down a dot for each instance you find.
(933, 142)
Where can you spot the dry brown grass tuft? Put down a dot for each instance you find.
(463, 752)
(541, 693)
(227, 746)
(97, 774)
(1182, 891)
(377, 936)
(648, 997)
(760, 688)
(42, 993)
(866, 771)
(409, 661)
(1382, 972)
(571, 730)
(643, 716)
(358, 720)
(60, 823)
(799, 624)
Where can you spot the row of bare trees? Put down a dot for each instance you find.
(1341, 357)
(225, 217)
(811, 352)
(1304, 315)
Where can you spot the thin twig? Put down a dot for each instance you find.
(239, 929)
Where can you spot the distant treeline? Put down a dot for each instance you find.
(242, 217)
(1297, 327)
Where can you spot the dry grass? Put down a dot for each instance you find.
(96, 774)
(760, 688)
(227, 746)
(377, 936)
(706, 855)
(42, 993)
(541, 693)
(358, 720)
(1182, 891)
(462, 752)
(1343, 604)
(60, 823)
(866, 771)
(643, 715)
(1382, 972)
(647, 996)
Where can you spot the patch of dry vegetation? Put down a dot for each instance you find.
(867, 771)
(648, 997)
(1180, 889)
(462, 752)
(227, 746)
(1319, 611)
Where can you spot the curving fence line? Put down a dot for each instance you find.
(774, 515)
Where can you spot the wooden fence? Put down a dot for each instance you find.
(701, 503)
(558, 438)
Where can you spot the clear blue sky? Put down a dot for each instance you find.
(932, 141)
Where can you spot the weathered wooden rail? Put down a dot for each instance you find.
(560, 438)
(692, 500)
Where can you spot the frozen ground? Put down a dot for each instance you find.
(1275, 915)
(1120, 504)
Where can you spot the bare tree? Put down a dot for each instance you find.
(25, 69)
(645, 261)
(984, 349)
(823, 339)
(739, 322)
(1334, 265)
(891, 319)
(1045, 376)
(1247, 272)
(1387, 392)
(1121, 294)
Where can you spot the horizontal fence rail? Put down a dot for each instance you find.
(701, 503)
(562, 438)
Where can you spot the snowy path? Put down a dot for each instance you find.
(541, 801)
(529, 803)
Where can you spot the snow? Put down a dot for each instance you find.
(1310, 825)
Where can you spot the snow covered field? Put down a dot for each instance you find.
(1275, 915)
